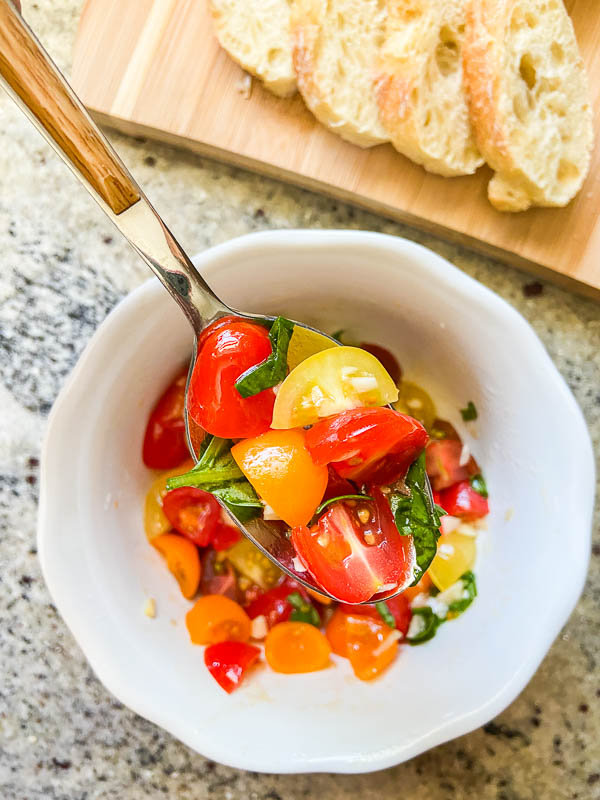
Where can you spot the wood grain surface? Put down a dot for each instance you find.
(153, 67)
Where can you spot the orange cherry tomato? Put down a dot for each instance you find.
(371, 645)
(183, 561)
(422, 587)
(215, 618)
(292, 647)
(280, 468)
(336, 633)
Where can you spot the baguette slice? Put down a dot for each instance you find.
(419, 86)
(529, 101)
(256, 34)
(335, 44)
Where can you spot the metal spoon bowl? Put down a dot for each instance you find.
(40, 90)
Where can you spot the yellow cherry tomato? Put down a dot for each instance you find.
(329, 382)
(305, 343)
(415, 402)
(281, 470)
(155, 521)
(252, 564)
(455, 556)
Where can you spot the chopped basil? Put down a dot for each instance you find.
(416, 516)
(326, 503)
(430, 622)
(303, 610)
(338, 335)
(478, 483)
(216, 472)
(470, 412)
(273, 369)
(469, 592)
(385, 613)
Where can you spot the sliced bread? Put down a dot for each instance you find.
(257, 36)
(529, 101)
(419, 85)
(335, 44)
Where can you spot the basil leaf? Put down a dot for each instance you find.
(416, 516)
(326, 503)
(385, 613)
(478, 483)
(303, 610)
(240, 498)
(273, 369)
(430, 623)
(470, 592)
(470, 412)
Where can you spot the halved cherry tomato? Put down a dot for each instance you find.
(443, 463)
(329, 382)
(193, 513)
(335, 631)
(455, 556)
(165, 445)
(216, 618)
(398, 606)
(228, 662)
(273, 605)
(226, 352)
(155, 521)
(422, 587)
(371, 645)
(367, 444)
(218, 576)
(352, 559)
(225, 536)
(337, 486)
(415, 402)
(461, 500)
(292, 647)
(386, 359)
(280, 468)
(183, 561)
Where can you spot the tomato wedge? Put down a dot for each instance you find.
(388, 360)
(375, 445)
(352, 559)
(193, 513)
(165, 445)
(461, 500)
(443, 463)
(228, 662)
(226, 350)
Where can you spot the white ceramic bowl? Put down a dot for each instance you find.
(462, 343)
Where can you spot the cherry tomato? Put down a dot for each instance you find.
(415, 402)
(280, 468)
(155, 521)
(461, 500)
(354, 559)
(183, 561)
(329, 382)
(367, 444)
(337, 486)
(273, 605)
(385, 358)
(225, 353)
(228, 662)
(216, 618)
(292, 647)
(443, 463)
(193, 513)
(422, 587)
(371, 645)
(398, 606)
(165, 445)
(336, 632)
(225, 536)
(455, 555)
(218, 576)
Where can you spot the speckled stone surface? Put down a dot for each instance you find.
(62, 736)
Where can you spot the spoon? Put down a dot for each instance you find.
(43, 94)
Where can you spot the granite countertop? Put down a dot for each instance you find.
(62, 736)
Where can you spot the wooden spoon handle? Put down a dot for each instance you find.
(35, 83)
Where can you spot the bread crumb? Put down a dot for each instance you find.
(244, 86)
(150, 608)
(509, 514)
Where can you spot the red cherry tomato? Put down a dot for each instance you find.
(193, 512)
(352, 559)
(225, 352)
(461, 500)
(165, 445)
(443, 465)
(399, 607)
(225, 536)
(228, 662)
(367, 444)
(273, 604)
(218, 577)
(337, 486)
(385, 358)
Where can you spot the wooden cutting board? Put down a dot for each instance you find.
(153, 68)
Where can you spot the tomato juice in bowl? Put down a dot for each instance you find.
(98, 564)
